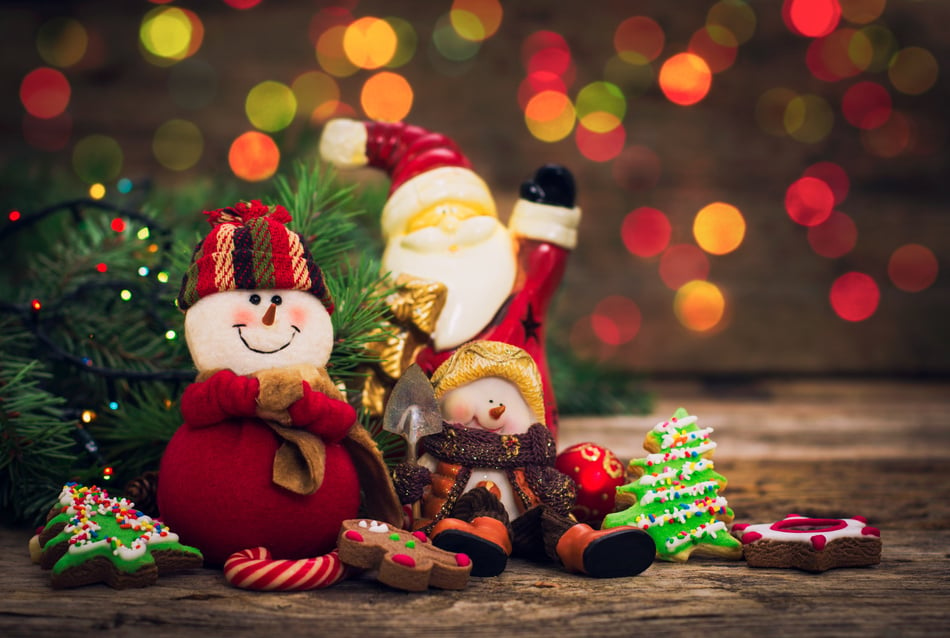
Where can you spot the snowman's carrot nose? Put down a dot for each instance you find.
(495, 413)
(268, 319)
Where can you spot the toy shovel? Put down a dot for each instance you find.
(412, 411)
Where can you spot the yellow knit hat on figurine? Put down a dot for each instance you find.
(479, 359)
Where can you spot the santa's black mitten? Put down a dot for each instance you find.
(552, 184)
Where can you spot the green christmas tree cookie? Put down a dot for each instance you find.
(91, 537)
(675, 496)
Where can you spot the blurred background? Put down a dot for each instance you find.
(764, 183)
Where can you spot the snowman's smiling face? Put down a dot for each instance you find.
(250, 330)
(491, 403)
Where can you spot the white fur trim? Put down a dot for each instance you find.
(442, 184)
(343, 143)
(544, 222)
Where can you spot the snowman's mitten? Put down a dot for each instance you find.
(410, 480)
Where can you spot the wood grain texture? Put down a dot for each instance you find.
(885, 455)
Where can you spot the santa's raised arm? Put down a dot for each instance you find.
(440, 224)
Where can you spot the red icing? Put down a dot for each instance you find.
(422, 538)
(803, 525)
(740, 526)
(353, 535)
(862, 519)
(462, 560)
(870, 531)
(750, 537)
(818, 542)
(402, 559)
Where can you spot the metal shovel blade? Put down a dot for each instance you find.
(412, 411)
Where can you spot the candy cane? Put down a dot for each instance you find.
(256, 569)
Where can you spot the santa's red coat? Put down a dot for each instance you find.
(215, 488)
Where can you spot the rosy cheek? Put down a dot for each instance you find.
(245, 317)
(298, 316)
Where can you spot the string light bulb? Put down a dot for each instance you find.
(88, 416)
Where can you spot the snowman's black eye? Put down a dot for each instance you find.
(255, 299)
(276, 300)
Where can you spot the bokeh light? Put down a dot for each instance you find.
(866, 105)
(716, 45)
(840, 55)
(834, 237)
(913, 71)
(685, 79)
(616, 320)
(450, 45)
(97, 191)
(317, 94)
(369, 43)
(636, 169)
(548, 51)
(736, 16)
(646, 232)
(254, 156)
(809, 118)
(834, 176)
(719, 228)
(242, 4)
(537, 82)
(170, 34)
(891, 139)
(639, 40)
(600, 106)
(330, 54)
(699, 305)
(770, 110)
(476, 20)
(811, 18)
(97, 158)
(883, 45)
(45, 92)
(62, 42)
(809, 201)
(854, 296)
(597, 145)
(386, 96)
(912, 268)
(178, 144)
(270, 106)
(862, 11)
(682, 263)
(406, 42)
(550, 116)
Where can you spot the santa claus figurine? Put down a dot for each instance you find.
(487, 482)
(441, 227)
(270, 454)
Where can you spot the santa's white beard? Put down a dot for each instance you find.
(478, 274)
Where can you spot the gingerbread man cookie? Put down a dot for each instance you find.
(810, 544)
(405, 560)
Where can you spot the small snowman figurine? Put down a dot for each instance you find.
(487, 482)
(270, 454)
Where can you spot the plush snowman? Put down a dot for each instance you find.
(270, 454)
(487, 482)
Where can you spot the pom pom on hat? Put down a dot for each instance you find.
(250, 248)
(479, 359)
(426, 168)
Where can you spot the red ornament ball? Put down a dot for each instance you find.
(598, 473)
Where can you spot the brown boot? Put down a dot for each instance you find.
(621, 551)
(485, 540)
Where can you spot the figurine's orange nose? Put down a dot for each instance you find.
(268, 319)
(496, 413)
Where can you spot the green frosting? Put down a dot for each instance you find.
(677, 497)
(107, 527)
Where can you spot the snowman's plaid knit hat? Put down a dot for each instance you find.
(249, 247)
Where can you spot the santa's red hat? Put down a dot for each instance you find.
(426, 168)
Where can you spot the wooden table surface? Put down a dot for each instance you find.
(880, 449)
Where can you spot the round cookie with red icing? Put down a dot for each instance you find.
(810, 544)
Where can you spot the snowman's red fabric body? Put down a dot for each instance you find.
(216, 474)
